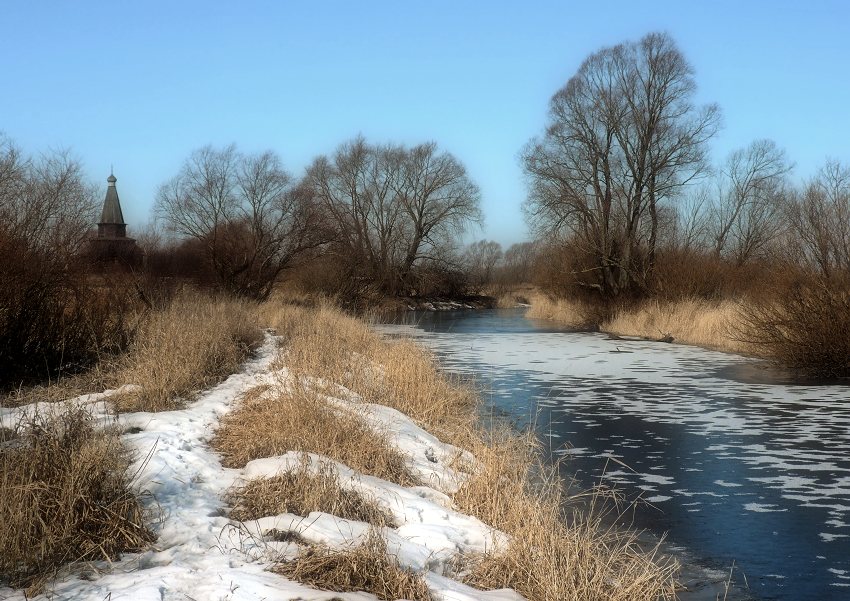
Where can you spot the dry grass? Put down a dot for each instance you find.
(272, 420)
(549, 561)
(302, 491)
(64, 496)
(567, 312)
(95, 379)
(708, 324)
(366, 567)
(325, 343)
(555, 553)
(192, 344)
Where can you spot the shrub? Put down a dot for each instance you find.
(46, 311)
(807, 328)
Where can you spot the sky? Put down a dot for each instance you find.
(139, 85)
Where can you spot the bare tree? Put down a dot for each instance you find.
(439, 201)
(45, 202)
(481, 258)
(393, 208)
(691, 220)
(820, 221)
(623, 136)
(518, 262)
(46, 209)
(252, 222)
(751, 192)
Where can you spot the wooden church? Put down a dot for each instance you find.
(111, 244)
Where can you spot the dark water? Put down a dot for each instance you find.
(754, 474)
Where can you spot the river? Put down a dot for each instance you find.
(736, 466)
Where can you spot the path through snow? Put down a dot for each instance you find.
(201, 555)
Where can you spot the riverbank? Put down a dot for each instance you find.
(330, 448)
(696, 322)
(743, 473)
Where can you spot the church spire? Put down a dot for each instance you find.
(111, 218)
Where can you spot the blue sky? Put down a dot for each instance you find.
(141, 84)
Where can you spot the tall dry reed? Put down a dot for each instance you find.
(65, 496)
(561, 547)
(570, 313)
(709, 324)
(194, 342)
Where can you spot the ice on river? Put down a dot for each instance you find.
(736, 464)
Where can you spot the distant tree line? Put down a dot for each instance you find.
(621, 176)
(385, 219)
(624, 204)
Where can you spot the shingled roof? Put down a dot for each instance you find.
(112, 206)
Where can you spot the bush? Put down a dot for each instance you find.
(65, 496)
(806, 328)
(46, 311)
(54, 322)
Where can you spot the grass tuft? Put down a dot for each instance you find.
(65, 496)
(271, 421)
(366, 567)
(302, 491)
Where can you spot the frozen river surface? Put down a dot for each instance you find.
(732, 470)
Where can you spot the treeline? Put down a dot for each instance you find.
(624, 196)
(368, 221)
(624, 204)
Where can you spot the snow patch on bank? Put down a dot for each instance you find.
(201, 554)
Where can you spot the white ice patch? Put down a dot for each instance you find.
(657, 479)
(828, 538)
(763, 508)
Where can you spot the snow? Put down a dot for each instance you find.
(201, 554)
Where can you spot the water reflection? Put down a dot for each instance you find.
(735, 468)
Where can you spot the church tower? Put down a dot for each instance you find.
(111, 219)
(111, 244)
